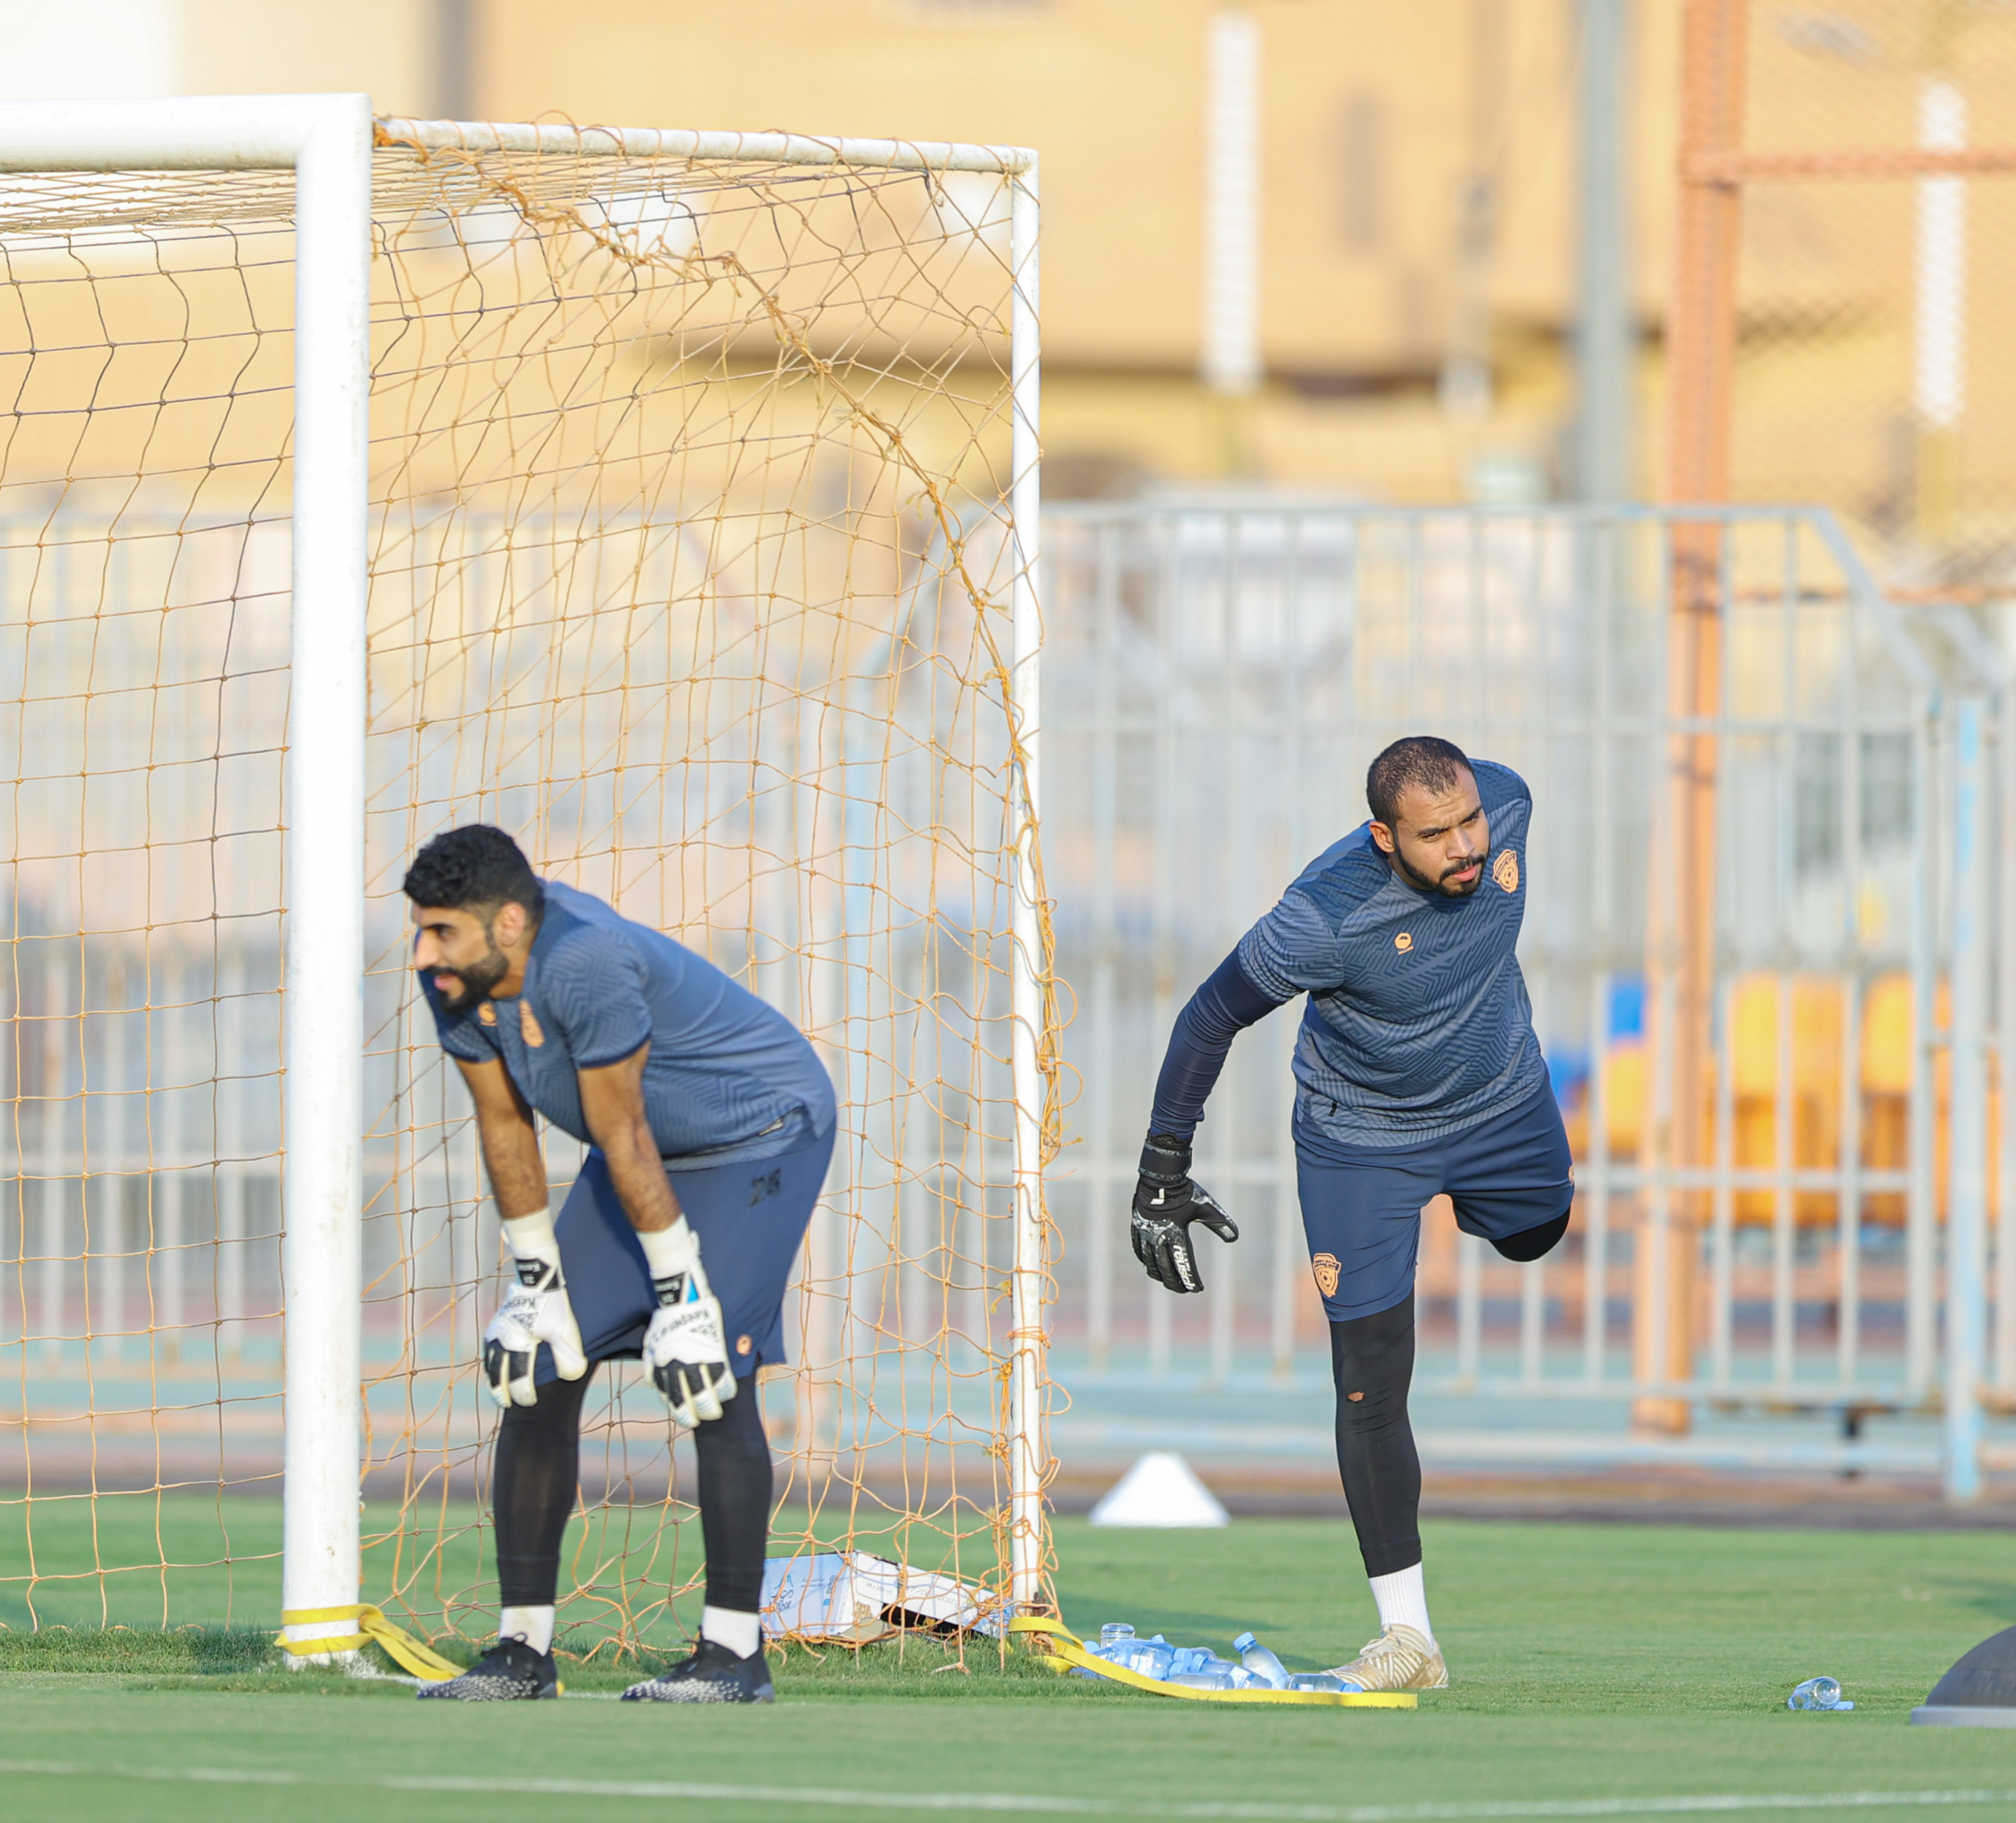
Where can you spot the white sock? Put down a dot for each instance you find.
(742, 1634)
(1403, 1600)
(535, 1626)
(530, 1237)
(671, 1250)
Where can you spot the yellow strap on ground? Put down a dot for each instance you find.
(1066, 1654)
(417, 1657)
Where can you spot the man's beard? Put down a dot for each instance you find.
(476, 980)
(1442, 886)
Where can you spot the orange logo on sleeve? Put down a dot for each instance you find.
(1505, 870)
(486, 1014)
(529, 1027)
(1326, 1271)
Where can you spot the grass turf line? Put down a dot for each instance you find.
(1593, 1664)
(964, 1803)
(1533, 1616)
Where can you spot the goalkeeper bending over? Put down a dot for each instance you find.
(1416, 1072)
(711, 1121)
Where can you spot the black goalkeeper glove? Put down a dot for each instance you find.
(1166, 1201)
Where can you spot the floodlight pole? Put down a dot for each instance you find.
(325, 140)
(1604, 335)
(1231, 354)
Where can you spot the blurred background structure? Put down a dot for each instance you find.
(1377, 208)
(1421, 255)
(1379, 346)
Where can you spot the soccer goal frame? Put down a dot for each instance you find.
(326, 141)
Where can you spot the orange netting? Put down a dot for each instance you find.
(691, 559)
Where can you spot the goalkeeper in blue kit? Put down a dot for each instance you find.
(710, 1121)
(1416, 1072)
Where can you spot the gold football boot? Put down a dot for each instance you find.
(1401, 1658)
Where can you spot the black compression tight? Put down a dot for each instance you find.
(735, 1501)
(539, 1469)
(532, 1492)
(1372, 1360)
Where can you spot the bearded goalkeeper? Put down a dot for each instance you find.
(710, 1121)
(1416, 1072)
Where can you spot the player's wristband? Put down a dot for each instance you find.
(530, 1237)
(1165, 1158)
(669, 1255)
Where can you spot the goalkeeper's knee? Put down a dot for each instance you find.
(1530, 1243)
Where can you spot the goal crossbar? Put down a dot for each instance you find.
(732, 147)
(328, 142)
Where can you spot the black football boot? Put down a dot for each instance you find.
(509, 1672)
(712, 1674)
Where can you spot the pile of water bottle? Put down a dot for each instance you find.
(1197, 1667)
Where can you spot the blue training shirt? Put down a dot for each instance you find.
(1418, 1024)
(728, 1078)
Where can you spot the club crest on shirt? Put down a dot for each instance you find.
(1326, 1269)
(486, 1014)
(1404, 942)
(529, 1027)
(1505, 870)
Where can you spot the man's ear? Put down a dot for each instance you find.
(1383, 835)
(508, 928)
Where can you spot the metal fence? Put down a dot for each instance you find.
(1216, 681)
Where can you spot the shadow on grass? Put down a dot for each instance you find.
(1995, 1601)
(241, 1659)
(184, 1651)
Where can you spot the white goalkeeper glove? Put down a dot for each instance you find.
(534, 1310)
(686, 1347)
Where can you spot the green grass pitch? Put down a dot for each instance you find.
(1595, 1667)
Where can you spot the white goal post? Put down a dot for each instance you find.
(327, 140)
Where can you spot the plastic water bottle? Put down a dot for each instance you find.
(1113, 1632)
(1190, 1659)
(1262, 1663)
(1317, 1681)
(1152, 1658)
(1817, 1693)
(1202, 1680)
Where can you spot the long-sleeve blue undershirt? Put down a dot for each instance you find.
(1218, 1013)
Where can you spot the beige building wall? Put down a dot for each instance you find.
(390, 48)
(1379, 121)
(1375, 116)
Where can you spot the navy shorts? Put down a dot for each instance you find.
(1361, 1206)
(750, 1219)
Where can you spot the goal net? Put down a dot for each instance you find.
(694, 561)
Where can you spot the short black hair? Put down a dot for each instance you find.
(1424, 760)
(474, 868)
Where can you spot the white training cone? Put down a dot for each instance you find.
(1159, 1490)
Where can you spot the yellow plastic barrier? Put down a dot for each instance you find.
(417, 1657)
(1066, 1654)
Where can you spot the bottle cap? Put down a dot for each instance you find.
(1243, 1640)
